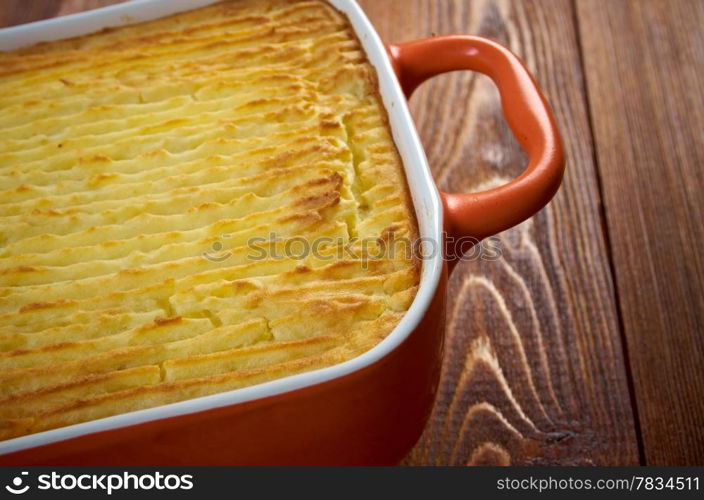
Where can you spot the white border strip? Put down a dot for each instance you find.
(426, 200)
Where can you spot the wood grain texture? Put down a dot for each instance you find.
(644, 63)
(20, 11)
(533, 368)
(534, 371)
(14, 12)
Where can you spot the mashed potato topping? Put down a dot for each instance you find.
(154, 179)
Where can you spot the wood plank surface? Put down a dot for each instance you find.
(644, 63)
(534, 370)
(14, 12)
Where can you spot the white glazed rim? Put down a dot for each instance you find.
(426, 200)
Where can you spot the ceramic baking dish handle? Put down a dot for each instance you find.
(478, 215)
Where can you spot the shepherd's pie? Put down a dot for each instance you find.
(192, 205)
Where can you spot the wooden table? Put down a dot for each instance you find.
(584, 343)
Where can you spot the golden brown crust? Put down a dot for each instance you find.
(139, 165)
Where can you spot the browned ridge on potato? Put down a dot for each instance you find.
(139, 165)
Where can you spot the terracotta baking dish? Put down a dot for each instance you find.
(371, 409)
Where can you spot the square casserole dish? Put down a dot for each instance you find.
(370, 409)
